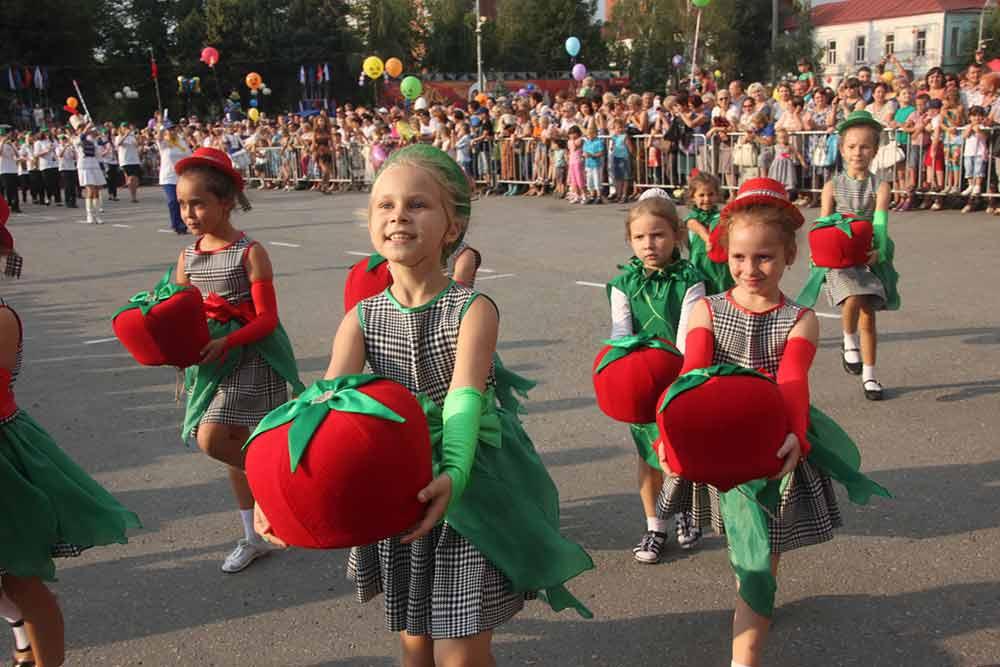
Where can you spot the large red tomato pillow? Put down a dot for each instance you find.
(165, 327)
(366, 279)
(341, 465)
(723, 426)
(840, 241)
(631, 373)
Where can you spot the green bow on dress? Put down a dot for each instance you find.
(622, 347)
(145, 301)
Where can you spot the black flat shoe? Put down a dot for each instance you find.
(852, 368)
(873, 390)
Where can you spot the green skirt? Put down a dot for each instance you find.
(48, 501)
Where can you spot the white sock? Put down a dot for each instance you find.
(737, 664)
(657, 525)
(89, 204)
(246, 516)
(867, 373)
(100, 198)
(10, 613)
(852, 345)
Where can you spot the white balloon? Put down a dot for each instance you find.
(126, 90)
(118, 95)
(420, 103)
(133, 94)
(267, 91)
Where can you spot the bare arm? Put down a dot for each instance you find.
(827, 200)
(348, 354)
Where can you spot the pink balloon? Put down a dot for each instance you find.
(209, 56)
(378, 153)
(579, 71)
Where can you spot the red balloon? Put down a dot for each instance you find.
(833, 249)
(725, 432)
(209, 56)
(628, 389)
(357, 481)
(172, 333)
(363, 283)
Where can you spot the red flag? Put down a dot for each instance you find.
(28, 76)
(153, 68)
(319, 73)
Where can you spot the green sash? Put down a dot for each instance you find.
(656, 297)
(202, 381)
(745, 508)
(510, 508)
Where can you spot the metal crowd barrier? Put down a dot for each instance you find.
(922, 168)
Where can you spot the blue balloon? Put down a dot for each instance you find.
(573, 46)
(529, 86)
(678, 60)
(253, 102)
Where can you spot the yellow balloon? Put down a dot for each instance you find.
(888, 77)
(394, 66)
(253, 114)
(373, 67)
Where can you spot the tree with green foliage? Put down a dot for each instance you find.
(531, 35)
(451, 36)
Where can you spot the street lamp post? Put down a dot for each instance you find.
(480, 19)
(982, 14)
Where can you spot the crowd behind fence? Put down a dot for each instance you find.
(947, 169)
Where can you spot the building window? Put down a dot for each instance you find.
(831, 52)
(859, 50)
(890, 44)
(921, 43)
(954, 40)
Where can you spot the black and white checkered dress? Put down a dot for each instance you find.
(855, 197)
(62, 549)
(808, 512)
(441, 585)
(254, 388)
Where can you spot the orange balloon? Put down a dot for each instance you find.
(394, 67)
(72, 102)
(253, 81)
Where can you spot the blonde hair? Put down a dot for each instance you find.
(455, 213)
(762, 214)
(658, 207)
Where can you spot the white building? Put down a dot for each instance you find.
(922, 33)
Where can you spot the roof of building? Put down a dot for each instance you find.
(853, 11)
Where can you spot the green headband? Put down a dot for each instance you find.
(444, 165)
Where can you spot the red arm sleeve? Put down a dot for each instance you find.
(793, 382)
(265, 305)
(699, 348)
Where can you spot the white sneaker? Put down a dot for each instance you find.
(967, 191)
(98, 221)
(89, 220)
(245, 553)
(977, 191)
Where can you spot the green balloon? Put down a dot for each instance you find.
(411, 87)
(700, 3)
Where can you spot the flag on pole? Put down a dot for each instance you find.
(326, 71)
(319, 73)
(302, 74)
(39, 82)
(153, 69)
(27, 77)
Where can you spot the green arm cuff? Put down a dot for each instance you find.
(460, 414)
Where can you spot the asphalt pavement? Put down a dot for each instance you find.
(908, 581)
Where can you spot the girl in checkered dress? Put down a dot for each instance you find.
(448, 584)
(862, 290)
(49, 507)
(756, 326)
(651, 297)
(245, 368)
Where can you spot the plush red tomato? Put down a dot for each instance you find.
(366, 279)
(329, 477)
(631, 373)
(833, 248)
(719, 253)
(164, 330)
(722, 426)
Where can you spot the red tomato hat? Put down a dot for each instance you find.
(214, 158)
(763, 192)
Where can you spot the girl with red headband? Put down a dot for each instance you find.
(49, 507)
(245, 369)
(754, 325)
